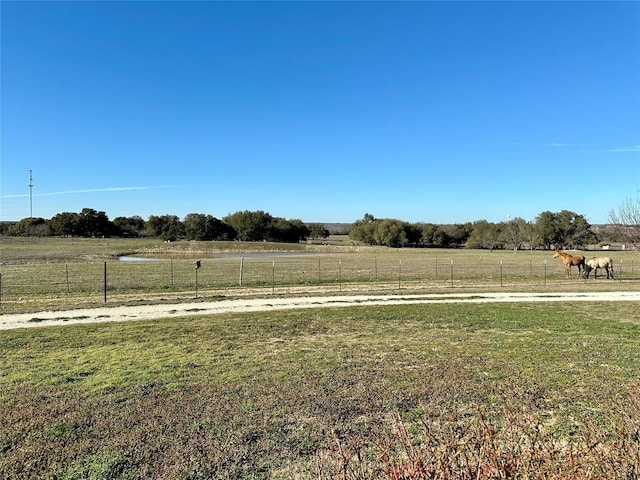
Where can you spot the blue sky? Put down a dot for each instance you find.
(442, 112)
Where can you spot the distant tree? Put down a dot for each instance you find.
(548, 229)
(435, 236)
(413, 233)
(92, 223)
(515, 232)
(486, 235)
(317, 230)
(390, 233)
(129, 226)
(250, 226)
(625, 222)
(363, 230)
(581, 232)
(65, 224)
(459, 233)
(531, 236)
(564, 229)
(196, 227)
(29, 227)
(206, 227)
(290, 231)
(166, 227)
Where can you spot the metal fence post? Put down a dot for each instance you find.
(452, 273)
(197, 264)
(105, 282)
(375, 267)
(620, 272)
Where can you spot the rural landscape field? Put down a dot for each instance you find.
(492, 390)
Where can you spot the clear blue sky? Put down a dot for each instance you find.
(442, 112)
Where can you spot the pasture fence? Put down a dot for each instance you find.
(277, 274)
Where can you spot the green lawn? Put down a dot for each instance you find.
(444, 391)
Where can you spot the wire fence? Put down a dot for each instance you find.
(57, 280)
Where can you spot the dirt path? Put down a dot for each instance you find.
(149, 312)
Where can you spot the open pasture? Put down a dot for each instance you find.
(544, 391)
(55, 272)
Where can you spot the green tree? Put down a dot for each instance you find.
(486, 235)
(65, 224)
(92, 223)
(515, 232)
(166, 227)
(460, 233)
(317, 230)
(363, 230)
(250, 226)
(29, 227)
(206, 227)
(129, 226)
(195, 227)
(390, 232)
(564, 229)
(283, 230)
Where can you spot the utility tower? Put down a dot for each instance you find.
(30, 193)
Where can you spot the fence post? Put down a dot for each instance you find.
(375, 267)
(273, 277)
(66, 268)
(501, 273)
(620, 272)
(340, 274)
(452, 273)
(105, 282)
(241, 269)
(171, 268)
(545, 272)
(399, 274)
(530, 268)
(319, 272)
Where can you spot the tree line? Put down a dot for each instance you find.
(244, 226)
(564, 229)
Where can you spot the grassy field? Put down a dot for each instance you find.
(440, 391)
(474, 391)
(52, 273)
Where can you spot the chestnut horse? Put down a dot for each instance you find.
(570, 260)
(598, 262)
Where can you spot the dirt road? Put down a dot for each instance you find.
(148, 312)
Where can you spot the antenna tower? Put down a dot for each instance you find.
(31, 193)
